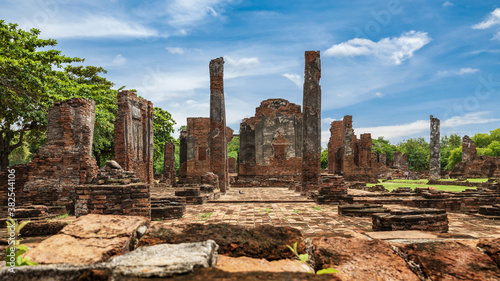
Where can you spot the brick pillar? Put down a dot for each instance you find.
(311, 150)
(435, 146)
(469, 152)
(217, 139)
(183, 155)
(169, 164)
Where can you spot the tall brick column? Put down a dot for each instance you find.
(435, 146)
(311, 128)
(217, 138)
(169, 164)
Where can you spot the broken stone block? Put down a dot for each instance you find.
(419, 219)
(90, 239)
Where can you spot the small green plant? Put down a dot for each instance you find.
(318, 208)
(17, 250)
(205, 216)
(63, 216)
(68, 222)
(305, 257)
(266, 210)
(296, 211)
(158, 219)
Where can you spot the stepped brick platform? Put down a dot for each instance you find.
(419, 219)
(490, 211)
(168, 208)
(333, 191)
(364, 210)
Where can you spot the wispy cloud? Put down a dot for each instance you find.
(175, 50)
(493, 19)
(119, 60)
(394, 50)
(93, 26)
(448, 4)
(467, 119)
(183, 13)
(240, 67)
(379, 94)
(462, 71)
(295, 78)
(327, 120)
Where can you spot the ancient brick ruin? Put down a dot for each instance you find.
(435, 146)
(399, 161)
(217, 138)
(311, 128)
(473, 166)
(271, 145)
(134, 135)
(194, 150)
(65, 160)
(169, 176)
(350, 157)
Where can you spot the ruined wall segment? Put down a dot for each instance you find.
(134, 135)
(469, 152)
(311, 128)
(473, 166)
(65, 160)
(349, 156)
(217, 139)
(435, 150)
(169, 164)
(195, 150)
(271, 143)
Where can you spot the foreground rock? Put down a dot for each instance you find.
(148, 262)
(216, 274)
(90, 239)
(492, 248)
(263, 242)
(244, 264)
(451, 261)
(359, 259)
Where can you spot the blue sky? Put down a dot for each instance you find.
(390, 63)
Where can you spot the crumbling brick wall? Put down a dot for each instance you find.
(65, 160)
(349, 156)
(473, 166)
(169, 164)
(271, 142)
(134, 135)
(399, 161)
(231, 165)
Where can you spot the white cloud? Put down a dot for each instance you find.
(462, 71)
(447, 4)
(395, 50)
(92, 26)
(175, 50)
(467, 70)
(119, 60)
(190, 12)
(295, 78)
(467, 119)
(493, 19)
(379, 94)
(243, 63)
(327, 120)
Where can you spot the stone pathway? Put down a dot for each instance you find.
(283, 207)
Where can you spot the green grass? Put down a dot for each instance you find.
(390, 185)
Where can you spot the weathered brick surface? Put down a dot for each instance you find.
(217, 137)
(18, 179)
(421, 219)
(231, 165)
(311, 129)
(169, 164)
(194, 150)
(349, 156)
(399, 161)
(65, 160)
(333, 191)
(435, 153)
(134, 135)
(271, 143)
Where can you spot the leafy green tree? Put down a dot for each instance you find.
(31, 80)
(163, 125)
(380, 146)
(482, 140)
(233, 147)
(448, 144)
(417, 152)
(454, 158)
(324, 158)
(495, 135)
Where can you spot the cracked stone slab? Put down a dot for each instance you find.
(90, 239)
(152, 261)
